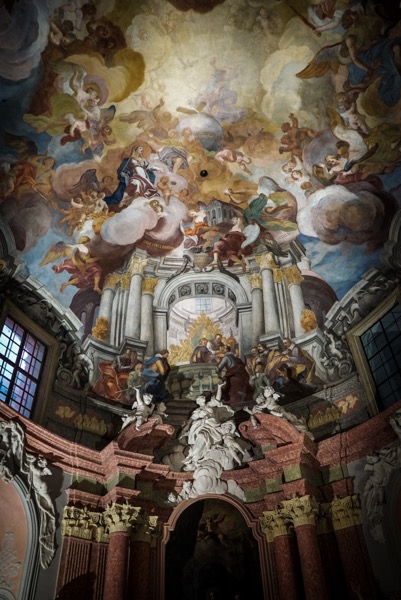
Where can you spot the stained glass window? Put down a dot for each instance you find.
(21, 361)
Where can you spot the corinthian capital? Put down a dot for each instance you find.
(255, 280)
(137, 265)
(346, 512)
(293, 275)
(266, 261)
(120, 517)
(274, 523)
(149, 284)
(301, 511)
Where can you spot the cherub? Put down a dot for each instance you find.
(157, 207)
(163, 185)
(142, 409)
(267, 401)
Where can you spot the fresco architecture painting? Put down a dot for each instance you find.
(200, 373)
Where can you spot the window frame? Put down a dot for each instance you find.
(48, 369)
(358, 352)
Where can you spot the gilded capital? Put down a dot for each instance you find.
(82, 523)
(120, 517)
(293, 275)
(274, 523)
(149, 284)
(137, 265)
(111, 281)
(266, 261)
(346, 512)
(255, 280)
(301, 511)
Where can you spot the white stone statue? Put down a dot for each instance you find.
(142, 409)
(267, 403)
(212, 447)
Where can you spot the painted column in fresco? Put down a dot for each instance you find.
(303, 513)
(294, 280)
(275, 528)
(267, 265)
(133, 316)
(147, 326)
(346, 515)
(119, 520)
(106, 301)
(139, 574)
(258, 325)
(160, 316)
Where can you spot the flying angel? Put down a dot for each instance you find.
(84, 270)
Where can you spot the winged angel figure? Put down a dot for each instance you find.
(75, 111)
(84, 270)
(364, 56)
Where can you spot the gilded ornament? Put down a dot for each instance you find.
(149, 284)
(101, 329)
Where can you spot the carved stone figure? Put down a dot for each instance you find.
(266, 402)
(15, 460)
(212, 448)
(142, 409)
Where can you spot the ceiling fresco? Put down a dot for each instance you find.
(164, 126)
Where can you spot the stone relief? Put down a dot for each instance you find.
(15, 460)
(381, 466)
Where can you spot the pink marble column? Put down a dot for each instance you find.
(347, 519)
(139, 571)
(116, 566)
(311, 563)
(275, 528)
(303, 512)
(119, 520)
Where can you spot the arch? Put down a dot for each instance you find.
(214, 284)
(251, 523)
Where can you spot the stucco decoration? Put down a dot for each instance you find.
(15, 460)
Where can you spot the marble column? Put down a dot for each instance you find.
(147, 326)
(294, 280)
(133, 315)
(275, 528)
(303, 512)
(119, 520)
(142, 539)
(267, 268)
(258, 325)
(346, 517)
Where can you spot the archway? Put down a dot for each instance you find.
(212, 551)
(226, 308)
